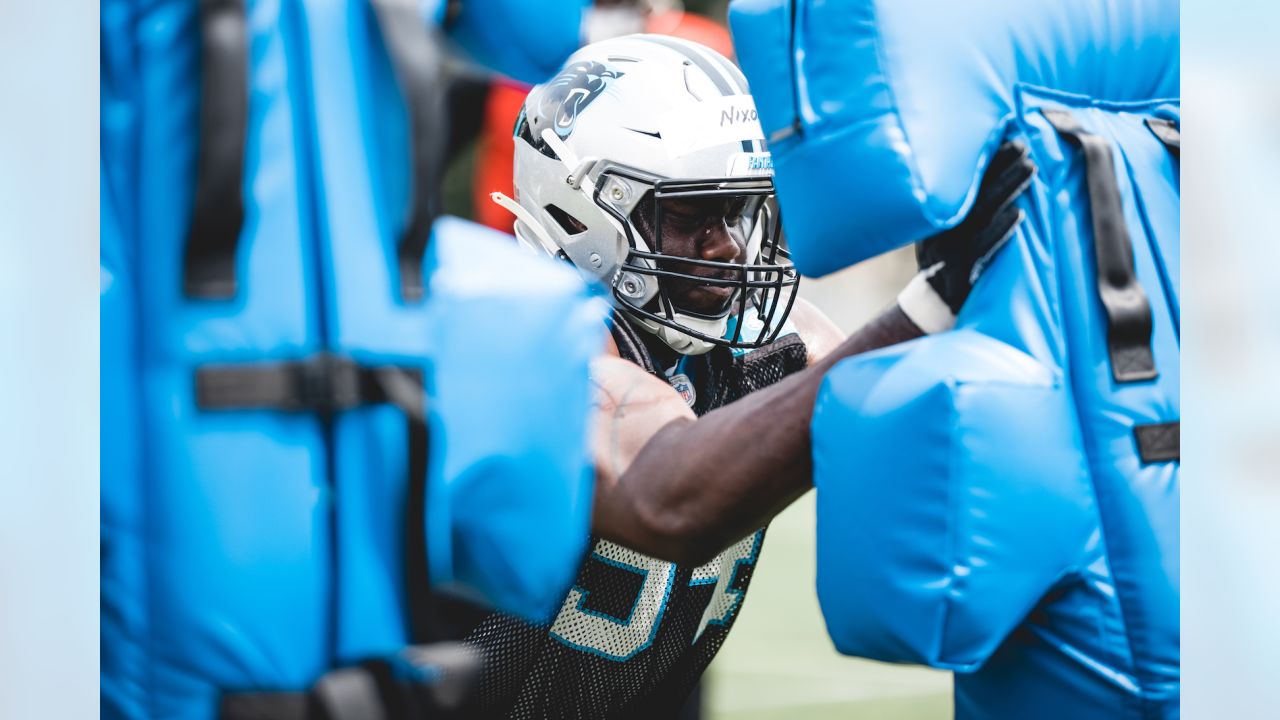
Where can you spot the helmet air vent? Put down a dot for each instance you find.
(567, 222)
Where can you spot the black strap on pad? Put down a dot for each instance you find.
(1159, 442)
(419, 681)
(1128, 312)
(349, 693)
(209, 262)
(322, 383)
(1166, 132)
(269, 706)
(419, 66)
(326, 384)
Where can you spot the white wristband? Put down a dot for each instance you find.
(924, 306)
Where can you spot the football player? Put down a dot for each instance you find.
(643, 164)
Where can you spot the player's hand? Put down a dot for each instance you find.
(951, 261)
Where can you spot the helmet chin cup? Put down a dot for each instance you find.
(682, 342)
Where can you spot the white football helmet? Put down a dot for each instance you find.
(634, 122)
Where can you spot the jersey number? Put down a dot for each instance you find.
(617, 604)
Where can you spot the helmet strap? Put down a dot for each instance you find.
(529, 221)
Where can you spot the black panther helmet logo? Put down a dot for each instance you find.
(569, 93)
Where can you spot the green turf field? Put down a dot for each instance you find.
(779, 663)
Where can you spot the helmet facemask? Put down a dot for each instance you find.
(678, 293)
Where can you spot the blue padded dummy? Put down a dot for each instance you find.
(311, 416)
(524, 40)
(1002, 499)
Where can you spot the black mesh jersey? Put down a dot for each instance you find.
(635, 633)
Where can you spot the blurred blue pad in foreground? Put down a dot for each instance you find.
(295, 438)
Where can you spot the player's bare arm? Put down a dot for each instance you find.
(681, 488)
(632, 405)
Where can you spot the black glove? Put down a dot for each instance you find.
(950, 262)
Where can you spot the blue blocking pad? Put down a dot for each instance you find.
(119, 462)
(216, 564)
(933, 544)
(523, 40)
(506, 339)
(1000, 500)
(255, 545)
(500, 402)
(889, 109)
